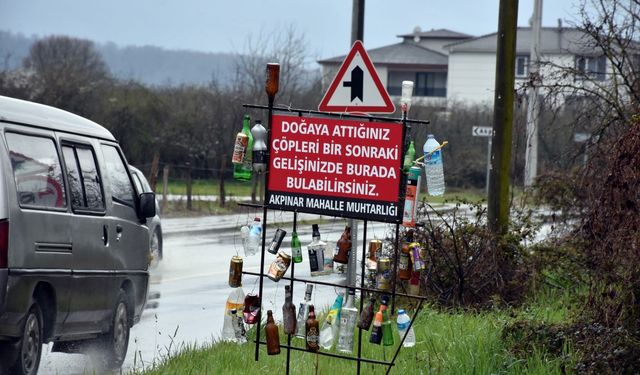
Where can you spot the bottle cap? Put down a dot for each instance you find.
(400, 311)
(257, 219)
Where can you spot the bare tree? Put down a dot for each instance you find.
(65, 72)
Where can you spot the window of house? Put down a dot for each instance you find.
(37, 171)
(425, 83)
(522, 66)
(593, 67)
(121, 187)
(84, 179)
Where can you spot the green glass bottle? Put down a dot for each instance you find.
(244, 170)
(296, 248)
(409, 157)
(387, 332)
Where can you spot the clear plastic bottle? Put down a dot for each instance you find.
(403, 321)
(433, 167)
(348, 318)
(303, 312)
(255, 237)
(244, 235)
(331, 324)
(235, 301)
(259, 155)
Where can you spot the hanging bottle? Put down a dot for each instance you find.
(343, 247)
(316, 251)
(411, 197)
(260, 154)
(387, 331)
(273, 338)
(404, 265)
(235, 301)
(244, 235)
(376, 332)
(433, 166)
(403, 321)
(242, 152)
(296, 248)
(409, 157)
(289, 312)
(255, 237)
(331, 324)
(348, 318)
(366, 316)
(312, 333)
(303, 312)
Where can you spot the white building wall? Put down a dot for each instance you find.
(471, 78)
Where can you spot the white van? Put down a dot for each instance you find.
(73, 240)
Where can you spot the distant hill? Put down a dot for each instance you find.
(148, 64)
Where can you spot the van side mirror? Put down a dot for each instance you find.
(147, 207)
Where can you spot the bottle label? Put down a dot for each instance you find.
(433, 158)
(240, 148)
(403, 326)
(313, 260)
(312, 336)
(403, 265)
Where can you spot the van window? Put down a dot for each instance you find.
(121, 188)
(84, 179)
(36, 170)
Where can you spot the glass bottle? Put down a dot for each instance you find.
(303, 312)
(376, 332)
(312, 333)
(343, 247)
(296, 248)
(316, 250)
(331, 324)
(404, 265)
(242, 170)
(409, 157)
(260, 153)
(348, 317)
(366, 316)
(289, 312)
(273, 338)
(238, 327)
(387, 331)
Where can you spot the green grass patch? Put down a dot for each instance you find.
(448, 342)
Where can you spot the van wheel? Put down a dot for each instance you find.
(29, 348)
(114, 343)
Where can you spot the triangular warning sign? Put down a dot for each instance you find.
(357, 87)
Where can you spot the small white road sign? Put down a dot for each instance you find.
(482, 131)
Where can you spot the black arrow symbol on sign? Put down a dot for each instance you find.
(356, 83)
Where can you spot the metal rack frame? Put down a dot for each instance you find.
(292, 279)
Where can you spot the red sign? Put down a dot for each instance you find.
(357, 87)
(335, 167)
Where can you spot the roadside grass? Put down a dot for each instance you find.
(448, 342)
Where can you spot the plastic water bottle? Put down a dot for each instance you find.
(331, 326)
(255, 235)
(433, 166)
(244, 235)
(235, 302)
(403, 323)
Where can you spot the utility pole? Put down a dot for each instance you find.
(498, 202)
(533, 105)
(357, 33)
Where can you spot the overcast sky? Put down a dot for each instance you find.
(223, 26)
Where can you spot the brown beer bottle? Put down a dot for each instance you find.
(312, 331)
(404, 264)
(273, 338)
(343, 247)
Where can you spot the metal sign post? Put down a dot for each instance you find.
(485, 131)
